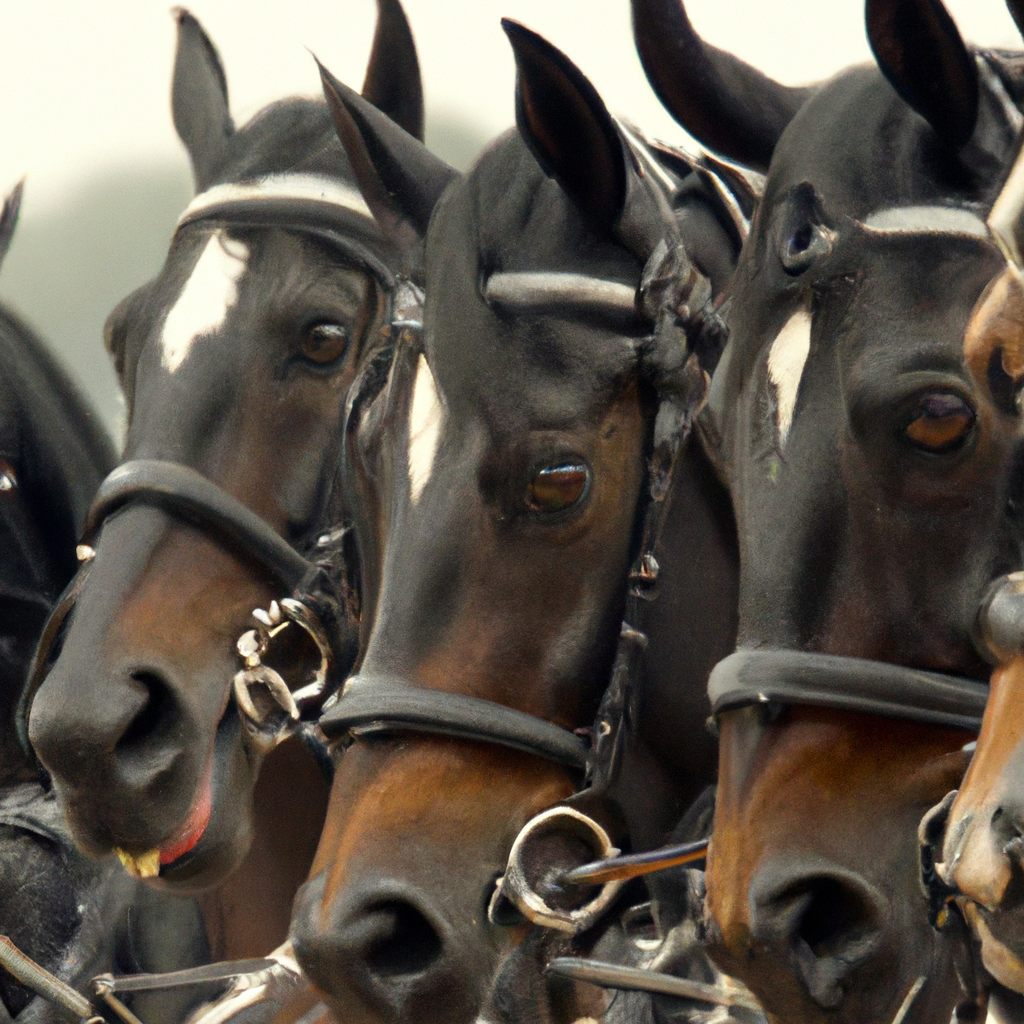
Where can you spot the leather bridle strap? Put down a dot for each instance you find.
(382, 705)
(188, 495)
(846, 684)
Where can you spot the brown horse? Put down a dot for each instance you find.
(870, 474)
(980, 857)
(236, 361)
(497, 472)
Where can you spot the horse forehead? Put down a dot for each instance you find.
(209, 294)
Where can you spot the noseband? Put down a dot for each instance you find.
(775, 679)
(333, 213)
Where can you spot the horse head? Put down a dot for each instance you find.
(235, 362)
(870, 475)
(973, 839)
(497, 464)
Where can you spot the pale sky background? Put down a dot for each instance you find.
(84, 110)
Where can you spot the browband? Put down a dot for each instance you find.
(188, 494)
(381, 705)
(552, 291)
(330, 196)
(325, 208)
(848, 684)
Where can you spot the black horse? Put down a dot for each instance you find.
(235, 361)
(76, 917)
(874, 475)
(500, 498)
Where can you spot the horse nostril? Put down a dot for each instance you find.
(821, 926)
(404, 941)
(146, 725)
(835, 919)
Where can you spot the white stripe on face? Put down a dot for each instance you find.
(209, 294)
(786, 361)
(425, 421)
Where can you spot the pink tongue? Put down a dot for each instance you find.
(194, 825)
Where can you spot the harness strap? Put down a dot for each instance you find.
(381, 705)
(847, 684)
(189, 495)
(224, 971)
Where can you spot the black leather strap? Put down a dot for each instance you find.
(379, 705)
(849, 684)
(188, 494)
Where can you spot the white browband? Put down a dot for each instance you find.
(927, 220)
(554, 291)
(302, 188)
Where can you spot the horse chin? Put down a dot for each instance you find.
(226, 839)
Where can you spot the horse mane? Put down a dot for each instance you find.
(60, 449)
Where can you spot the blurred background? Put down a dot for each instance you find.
(84, 112)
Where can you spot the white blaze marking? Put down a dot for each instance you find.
(786, 362)
(424, 429)
(206, 299)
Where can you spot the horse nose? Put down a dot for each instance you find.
(826, 924)
(127, 735)
(385, 947)
(1008, 827)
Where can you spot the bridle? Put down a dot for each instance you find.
(313, 574)
(677, 301)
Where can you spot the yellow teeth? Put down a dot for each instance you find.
(143, 865)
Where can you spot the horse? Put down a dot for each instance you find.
(497, 465)
(870, 474)
(971, 838)
(77, 917)
(235, 362)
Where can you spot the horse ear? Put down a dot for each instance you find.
(1016, 8)
(724, 103)
(921, 53)
(401, 180)
(567, 127)
(199, 99)
(392, 82)
(9, 217)
(115, 329)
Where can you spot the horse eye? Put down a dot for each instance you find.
(941, 422)
(555, 488)
(325, 343)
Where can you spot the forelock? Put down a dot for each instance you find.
(293, 135)
(525, 221)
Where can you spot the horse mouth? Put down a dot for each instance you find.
(194, 826)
